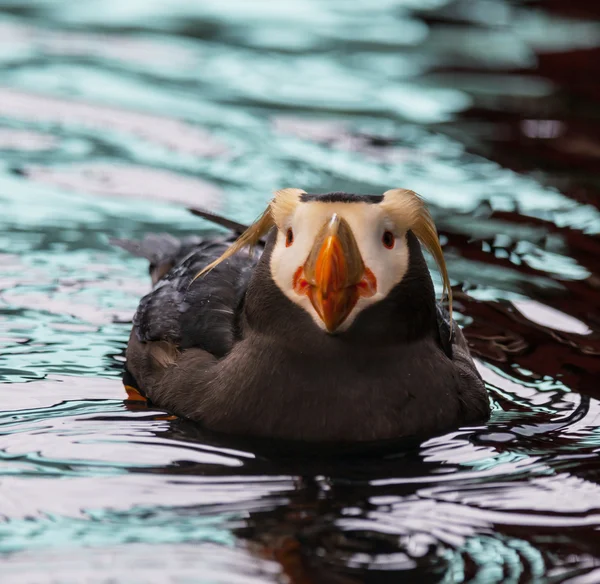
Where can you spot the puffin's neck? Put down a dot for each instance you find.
(405, 315)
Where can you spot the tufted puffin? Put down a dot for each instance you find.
(319, 322)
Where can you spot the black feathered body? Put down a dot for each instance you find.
(252, 362)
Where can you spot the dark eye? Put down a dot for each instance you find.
(289, 237)
(388, 239)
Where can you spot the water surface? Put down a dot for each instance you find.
(116, 116)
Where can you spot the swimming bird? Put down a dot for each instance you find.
(319, 322)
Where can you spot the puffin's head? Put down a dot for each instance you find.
(336, 254)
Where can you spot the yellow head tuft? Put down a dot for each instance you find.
(410, 211)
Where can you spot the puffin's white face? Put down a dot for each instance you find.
(336, 258)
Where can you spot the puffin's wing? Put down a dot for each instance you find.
(475, 405)
(446, 330)
(203, 313)
(456, 347)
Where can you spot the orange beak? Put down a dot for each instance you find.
(335, 273)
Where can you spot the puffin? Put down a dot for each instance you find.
(317, 323)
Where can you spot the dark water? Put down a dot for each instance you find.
(115, 115)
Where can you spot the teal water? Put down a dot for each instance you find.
(117, 116)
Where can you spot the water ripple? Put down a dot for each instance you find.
(115, 116)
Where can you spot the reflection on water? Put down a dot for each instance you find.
(115, 116)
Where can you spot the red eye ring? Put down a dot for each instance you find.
(388, 240)
(289, 237)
